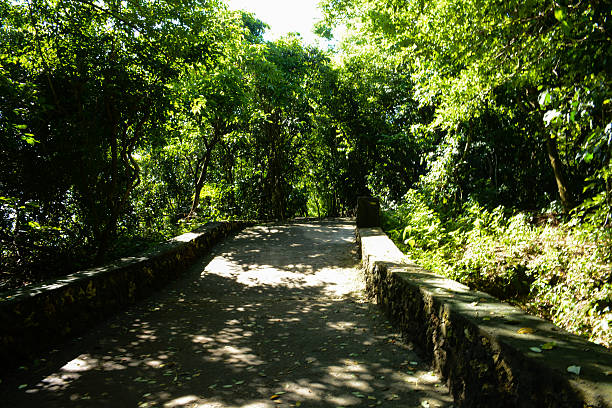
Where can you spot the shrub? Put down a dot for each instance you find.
(560, 272)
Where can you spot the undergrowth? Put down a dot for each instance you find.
(132, 240)
(561, 271)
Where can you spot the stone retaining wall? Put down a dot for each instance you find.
(33, 319)
(490, 352)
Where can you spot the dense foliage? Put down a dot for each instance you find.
(483, 126)
(510, 120)
(84, 86)
(554, 270)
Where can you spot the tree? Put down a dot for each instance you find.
(471, 58)
(87, 84)
(284, 75)
(218, 106)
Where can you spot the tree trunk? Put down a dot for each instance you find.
(107, 230)
(116, 199)
(105, 237)
(199, 184)
(276, 159)
(557, 166)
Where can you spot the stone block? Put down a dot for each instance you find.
(368, 212)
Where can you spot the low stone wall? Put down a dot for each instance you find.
(36, 318)
(492, 354)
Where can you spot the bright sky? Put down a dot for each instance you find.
(283, 16)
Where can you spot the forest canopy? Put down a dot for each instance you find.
(483, 126)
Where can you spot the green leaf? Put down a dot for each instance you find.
(410, 242)
(551, 116)
(560, 14)
(545, 98)
(34, 225)
(29, 139)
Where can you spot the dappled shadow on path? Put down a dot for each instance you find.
(275, 319)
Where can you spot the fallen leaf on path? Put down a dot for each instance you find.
(548, 346)
(525, 330)
(574, 369)
(535, 349)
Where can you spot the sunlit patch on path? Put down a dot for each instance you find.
(275, 318)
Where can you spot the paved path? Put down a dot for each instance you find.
(274, 318)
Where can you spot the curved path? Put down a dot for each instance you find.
(275, 317)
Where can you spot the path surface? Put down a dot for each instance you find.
(274, 318)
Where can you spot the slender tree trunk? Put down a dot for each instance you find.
(557, 166)
(116, 199)
(106, 231)
(229, 172)
(200, 183)
(274, 184)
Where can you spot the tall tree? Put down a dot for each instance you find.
(95, 76)
(284, 74)
(465, 56)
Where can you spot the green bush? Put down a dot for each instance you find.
(560, 271)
